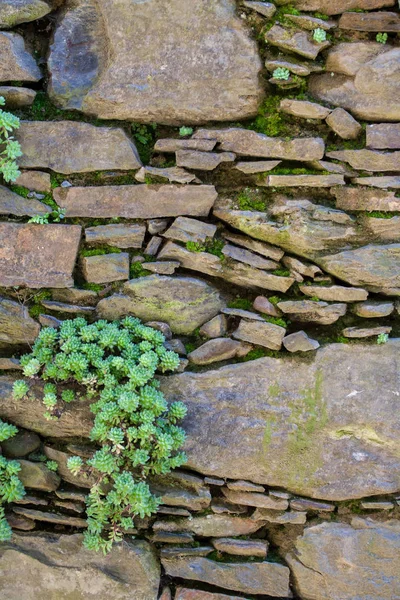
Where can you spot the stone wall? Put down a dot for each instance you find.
(228, 172)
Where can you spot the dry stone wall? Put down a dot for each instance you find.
(228, 172)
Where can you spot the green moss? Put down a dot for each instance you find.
(144, 137)
(250, 199)
(281, 272)
(377, 214)
(321, 16)
(100, 251)
(274, 300)
(21, 191)
(137, 270)
(93, 287)
(241, 303)
(277, 321)
(212, 246)
(36, 307)
(270, 120)
(195, 246)
(260, 353)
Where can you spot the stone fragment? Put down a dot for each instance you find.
(220, 507)
(343, 124)
(191, 594)
(120, 236)
(255, 499)
(75, 296)
(177, 346)
(67, 308)
(164, 267)
(215, 328)
(263, 305)
(18, 522)
(170, 88)
(374, 505)
(22, 443)
(160, 326)
(157, 226)
(383, 230)
(72, 506)
(368, 160)
(383, 136)
(336, 560)
(105, 268)
(172, 145)
(39, 181)
(183, 302)
(267, 578)
(14, 12)
(10, 364)
(261, 248)
(172, 510)
(258, 166)
(375, 21)
(379, 182)
(240, 547)
(17, 97)
(214, 481)
(38, 477)
(267, 335)
(16, 63)
(244, 486)
(16, 325)
(299, 342)
(311, 23)
(185, 230)
(304, 109)
(266, 9)
(305, 504)
(75, 495)
(245, 142)
(38, 256)
(202, 161)
(334, 293)
(236, 272)
(14, 204)
(49, 321)
(294, 67)
(181, 551)
(137, 201)
(181, 489)
(153, 246)
(215, 350)
(373, 309)
(359, 332)
(171, 174)
(348, 58)
(362, 198)
(310, 311)
(294, 41)
(324, 165)
(279, 518)
(303, 180)
(249, 258)
(211, 526)
(172, 538)
(243, 314)
(294, 264)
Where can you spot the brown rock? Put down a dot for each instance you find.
(173, 144)
(340, 6)
(215, 328)
(368, 160)
(299, 342)
(348, 58)
(191, 594)
(249, 258)
(121, 236)
(75, 296)
(358, 332)
(190, 230)
(294, 41)
(202, 161)
(105, 268)
(258, 166)
(264, 8)
(17, 522)
(14, 204)
(10, 364)
(182, 551)
(379, 182)
(163, 267)
(17, 97)
(136, 201)
(211, 526)
(67, 308)
(343, 124)
(362, 198)
(259, 247)
(304, 504)
(383, 230)
(16, 325)
(240, 547)
(171, 174)
(48, 517)
(39, 181)
(22, 443)
(16, 63)
(267, 335)
(215, 350)
(373, 309)
(303, 180)
(376, 21)
(244, 486)
(309, 311)
(383, 135)
(304, 109)
(334, 293)
(263, 305)
(255, 499)
(311, 23)
(37, 477)
(294, 67)
(279, 518)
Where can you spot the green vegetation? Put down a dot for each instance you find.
(277, 321)
(115, 364)
(275, 300)
(52, 465)
(260, 353)
(93, 287)
(250, 199)
(212, 246)
(377, 214)
(281, 73)
(11, 489)
(382, 338)
(319, 35)
(183, 131)
(100, 251)
(137, 270)
(281, 272)
(270, 121)
(242, 303)
(382, 38)
(144, 137)
(10, 149)
(55, 216)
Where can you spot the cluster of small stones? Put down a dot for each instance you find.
(235, 244)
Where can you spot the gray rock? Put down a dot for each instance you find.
(215, 328)
(292, 64)
(304, 504)
(299, 342)
(358, 332)
(137, 201)
(49, 321)
(258, 166)
(105, 268)
(343, 124)
(241, 547)
(279, 518)
(171, 538)
(162, 267)
(249, 258)
(173, 144)
(266, 307)
(101, 77)
(17, 97)
(304, 109)
(16, 325)
(259, 247)
(211, 526)
(373, 309)
(244, 486)
(255, 499)
(14, 204)
(75, 296)
(303, 181)
(250, 578)
(14, 12)
(171, 174)
(16, 63)
(183, 302)
(376, 21)
(191, 594)
(190, 230)
(38, 181)
(160, 326)
(371, 505)
(37, 477)
(38, 564)
(245, 142)
(215, 350)
(22, 443)
(368, 160)
(382, 230)
(383, 135)
(347, 58)
(202, 161)
(157, 226)
(181, 489)
(335, 561)
(67, 308)
(362, 198)
(379, 182)
(121, 236)
(296, 265)
(73, 147)
(182, 551)
(311, 311)
(311, 23)
(243, 314)
(267, 335)
(10, 364)
(153, 246)
(294, 41)
(266, 9)
(334, 293)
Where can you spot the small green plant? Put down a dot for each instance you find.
(242, 303)
(137, 270)
(250, 199)
(116, 365)
(212, 246)
(183, 131)
(382, 38)
(11, 488)
(52, 465)
(55, 216)
(10, 149)
(281, 73)
(195, 246)
(319, 35)
(277, 321)
(382, 338)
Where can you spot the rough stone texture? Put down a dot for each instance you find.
(373, 309)
(358, 332)
(255, 499)
(339, 6)
(303, 180)
(38, 256)
(180, 489)
(279, 518)
(258, 166)
(14, 204)
(263, 305)
(299, 342)
(190, 594)
(50, 517)
(371, 266)
(294, 41)
(38, 477)
(21, 444)
(245, 142)
(183, 302)
(371, 92)
(153, 82)
(16, 325)
(14, 12)
(249, 258)
(383, 135)
(17, 97)
(364, 199)
(105, 268)
(294, 67)
(368, 160)
(174, 144)
(382, 230)
(311, 505)
(378, 21)
(38, 181)
(311, 23)
(73, 147)
(264, 334)
(211, 526)
(343, 124)
(67, 308)
(264, 8)
(16, 63)
(379, 182)
(261, 248)
(310, 311)
(215, 328)
(162, 267)
(42, 565)
(215, 350)
(241, 547)
(121, 236)
(171, 174)
(250, 578)
(190, 230)
(335, 293)
(137, 201)
(202, 161)
(304, 109)
(337, 561)
(75, 296)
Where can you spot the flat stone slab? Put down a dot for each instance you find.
(120, 236)
(383, 182)
(73, 147)
(339, 6)
(310, 311)
(335, 293)
(266, 9)
(264, 334)
(258, 166)
(171, 174)
(17, 97)
(211, 525)
(373, 309)
(14, 12)
(376, 21)
(304, 109)
(299, 342)
(368, 160)
(202, 161)
(153, 82)
(297, 41)
(323, 181)
(359, 332)
(383, 135)
(14, 204)
(16, 63)
(105, 268)
(16, 325)
(364, 199)
(185, 230)
(343, 124)
(137, 201)
(38, 256)
(215, 350)
(241, 547)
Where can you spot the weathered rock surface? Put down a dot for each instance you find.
(304, 109)
(38, 255)
(17, 97)
(183, 302)
(382, 230)
(259, 247)
(303, 180)
(250, 578)
(21, 444)
(383, 135)
(16, 325)
(362, 198)
(46, 564)
(373, 309)
(16, 63)
(202, 161)
(376, 21)
(257, 166)
(154, 82)
(105, 268)
(211, 525)
(264, 8)
(368, 160)
(37, 476)
(38, 181)
(14, 12)
(382, 182)
(73, 147)
(249, 258)
(294, 41)
(339, 6)
(255, 499)
(263, 334)
(334, 293)
(216, 350)
(337, 561)
(137, 201)
(358, 332)
(343, 124)
(311, 311)
(14, 204)
(299, 342)
(190, 594)
(190, 230)
(121, 236)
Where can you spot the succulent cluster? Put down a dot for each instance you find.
(10, 149)
(114, 363)
(319, 35)
(281, 73)
(11, 488)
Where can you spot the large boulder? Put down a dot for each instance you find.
(48, 565)
(337, 561)
(106, 59)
